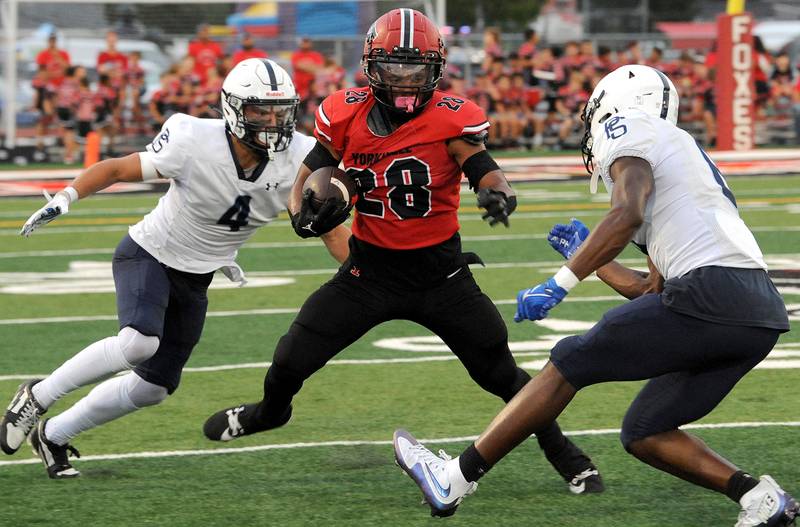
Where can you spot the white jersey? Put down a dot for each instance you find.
(212, 207)
(691, 219)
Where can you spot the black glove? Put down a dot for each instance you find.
(308, 224)
(498, 206)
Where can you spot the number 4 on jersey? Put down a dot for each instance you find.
(236, 216)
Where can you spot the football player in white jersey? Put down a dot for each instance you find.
(228, 177)
(702, 317)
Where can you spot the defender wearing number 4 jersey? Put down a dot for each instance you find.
(406, 145)
(704, 315)
(228, 177)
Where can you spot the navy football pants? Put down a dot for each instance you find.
(159, 301)
(692, 363)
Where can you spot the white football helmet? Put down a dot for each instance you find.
(628, 87)
(259, 105)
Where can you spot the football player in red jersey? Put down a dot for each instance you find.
(406, 145)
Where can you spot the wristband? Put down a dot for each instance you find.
(565, 278)
(71, 193)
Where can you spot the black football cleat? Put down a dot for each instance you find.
(20, 418)
(577, 469)
(238, 421)
(55, 457)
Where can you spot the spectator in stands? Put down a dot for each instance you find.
(604, 63)
(547, 70)
(632, 54)
(209, 93)
(66, 100)
(572, 59)
(586, 51)
(328, 79)
(114, 64)
(42, 103)
(111, 59)
(526, 51)
(204, 51)
(656, 60)
(107, 110)
(54, 59)
(134, 81)
(86, 108)
(161, 103)
(762, 66)
(306, 62)
(782, 68)
(571, 98)
(492, 47)
(247, 51)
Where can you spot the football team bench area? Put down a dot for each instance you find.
(333, 463)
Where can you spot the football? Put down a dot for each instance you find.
(330, 183)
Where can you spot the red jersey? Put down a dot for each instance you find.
(244, 54)
(205, 55)
(107, 60)
(303, 79)
(409, 185)
(55, 62)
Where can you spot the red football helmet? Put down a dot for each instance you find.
(403, 59)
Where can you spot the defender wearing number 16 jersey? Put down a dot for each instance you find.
(406, 145)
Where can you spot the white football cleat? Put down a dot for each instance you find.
(439, 477)
(767, 505)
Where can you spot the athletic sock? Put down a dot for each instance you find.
(552, 440)
(472, 464)
(740, 484)
(107, 401)
(95, 362)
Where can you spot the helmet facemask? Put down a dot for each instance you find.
(266, 126)
(586, 143)
(403, 81)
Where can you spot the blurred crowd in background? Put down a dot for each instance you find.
(532, 94)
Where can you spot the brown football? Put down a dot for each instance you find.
(330, 183)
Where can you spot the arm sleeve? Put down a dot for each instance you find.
(167, 153)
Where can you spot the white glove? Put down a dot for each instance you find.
(55, 207)
(234, 273)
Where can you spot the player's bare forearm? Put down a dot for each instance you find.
(296, 195)
(496, 180)
(337, 242)
(105, 173)
(633, 183)
(462, 150)
(628, 282)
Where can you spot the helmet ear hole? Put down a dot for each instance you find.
(606, 116)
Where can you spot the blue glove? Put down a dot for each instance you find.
(536, 302)
(567, 238)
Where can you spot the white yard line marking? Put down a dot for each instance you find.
(773, 361)
(344, 443)
(247, 312)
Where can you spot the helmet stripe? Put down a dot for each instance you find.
(410, 28)
(402, 28)
(273, 81)
(665, 100)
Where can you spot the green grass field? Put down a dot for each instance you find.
(332, 464)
